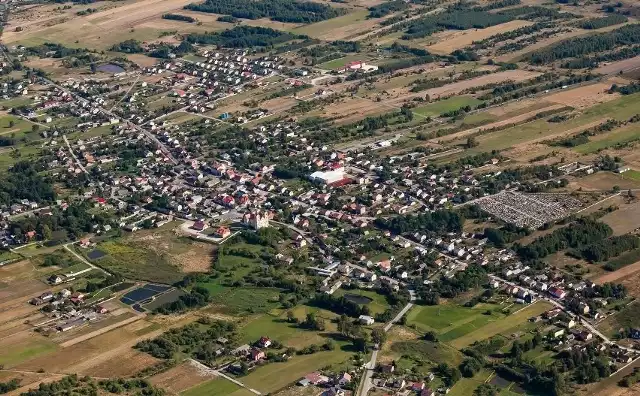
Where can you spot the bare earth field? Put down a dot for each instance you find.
(452, 40)
(100, 29)
(625, 219)
(622, 273)
(619, 66)
(127, 364)
(604, 181)
(583, 97)
(180, 378)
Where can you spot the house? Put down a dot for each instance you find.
(333, 391)
(100, 309)
(223, 232)
(417, 386)
(583, 308)
(55, 279)
(256, 355)
(256, 219)
(264, 342)
(242, 350)
(557, 292)
(387, 368)
(584, 336)
(199, 225)
(314, 378)
(366, 320)
(426, 392)
(343, 379)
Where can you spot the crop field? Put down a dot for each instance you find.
(339, 28)
(584, 96)
(451, 40)
(24, 346)
(509, 324)
(442, 106)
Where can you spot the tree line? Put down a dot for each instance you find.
(436, 222)
(597, 23)
(580, 46)
(179, 17)
(384, 9)
(581, 233)
(277, 10)
(608, 248)
(243, 37)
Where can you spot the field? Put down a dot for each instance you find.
(626, 318)
(339, 28)
(604, 181)
(625, 219)
(340, 62)
(620, 136)
(510, 324)
(451, 40)
(378, 302)
(450, 104)
(184, 377)
(216, 387)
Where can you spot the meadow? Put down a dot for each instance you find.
(442, 106)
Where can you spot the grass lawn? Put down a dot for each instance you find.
(620, 136)
(378, 302)
(134, 261)
(291, 335)
(466, 386)
(215, 387)
(509, 324)
(275, 376)
(434, 352)
(243, 300)
(336, 63)
(442, 106)
(25, 350)
(632, 174)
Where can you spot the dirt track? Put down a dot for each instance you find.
(619, 274)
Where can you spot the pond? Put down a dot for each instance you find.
(96, 254)
(110, 68)
(358, 299)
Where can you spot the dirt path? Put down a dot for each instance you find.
(619, 274)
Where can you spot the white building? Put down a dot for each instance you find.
(327, 177)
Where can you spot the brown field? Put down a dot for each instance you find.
(209, 22)
(101, 29)
(28, 380)
(20, 290)
(121, 320)
(457, 87)
(452, 40)
(84, 356)
(583, 97)
(622, 273)
(603, 181)
(626, 65)
(189, 255)
(625, 219)
(127, 364)
(142, 60)
(180, 378)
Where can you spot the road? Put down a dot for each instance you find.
(365, 383)
(82, 259)
(75, 158)
(148, 134)
(583, 321)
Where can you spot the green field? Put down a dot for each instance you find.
(25, 350)
(610, 139)
(442, 106)
(378, 302)
(215, 387)
(275, 326)
(275, 376)
(623, 260)
(433, 352)
(320, 29)
(466, 386)
(632, 174)
(620, 109)
(134, 261)
(243, 300)
(509, 324)
(336, 63)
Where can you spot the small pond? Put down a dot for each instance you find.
(110, 68)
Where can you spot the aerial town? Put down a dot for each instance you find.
(309, 197)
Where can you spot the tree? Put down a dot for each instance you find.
(12, 123)
(344, 325)
(291, 317)
(35, 128)
(46, 232)
(485, 390)
(360, 344)
(378, 336)
(471, 142)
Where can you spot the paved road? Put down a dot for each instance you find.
(75, 158)
(366, 384)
